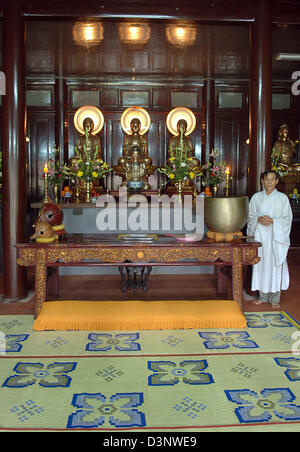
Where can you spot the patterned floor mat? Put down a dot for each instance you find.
(151, 381)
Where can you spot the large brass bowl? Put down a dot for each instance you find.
(226, 214)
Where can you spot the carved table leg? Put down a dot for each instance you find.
(40, 281)
(237, 276)
(134, 277)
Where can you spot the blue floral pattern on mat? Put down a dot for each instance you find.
(50, 376)
(168, 373)
(13, 342)
(26, 410)
(96, 410)
(216, 340)
(190, 407)
(292, 365)
(124, 342)
(269, 404)
(265, 320)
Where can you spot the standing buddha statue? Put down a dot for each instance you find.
(184, 144)
(89, 142)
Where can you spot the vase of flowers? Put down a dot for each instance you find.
(213, 172)
(179, 170)
(56, 171)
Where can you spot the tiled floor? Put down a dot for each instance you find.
(161, 287)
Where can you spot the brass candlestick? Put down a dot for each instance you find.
(77, 193)
(227, 182)
(45, 200)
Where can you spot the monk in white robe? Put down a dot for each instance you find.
(270, 220)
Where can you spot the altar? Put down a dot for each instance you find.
(85, 218)
(104, 250)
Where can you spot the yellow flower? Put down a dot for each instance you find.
(94, 174)
(192, 175)
(172, 158)
(80, 173)
(171, 176)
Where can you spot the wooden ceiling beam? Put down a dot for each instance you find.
(203, 10)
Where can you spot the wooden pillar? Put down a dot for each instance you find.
(260, 106)
(13, 142)
(60, 88)
(209, 96)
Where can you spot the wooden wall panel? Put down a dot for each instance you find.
(231, 133)
(41, 133)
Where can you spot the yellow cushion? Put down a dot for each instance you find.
(223, 236)
(140, 315)
(45, 240)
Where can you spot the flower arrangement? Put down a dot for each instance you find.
(280, 169)
(180, 167)
(213, 172)
(57, 172)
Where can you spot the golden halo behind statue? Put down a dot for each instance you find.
(89, 111)
(180, 113)
(135, 112)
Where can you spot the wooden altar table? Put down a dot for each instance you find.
(104, 249)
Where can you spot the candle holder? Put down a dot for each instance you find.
(77, 193)
(227, 182)
(45, 200)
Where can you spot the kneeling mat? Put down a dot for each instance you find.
(143, 315)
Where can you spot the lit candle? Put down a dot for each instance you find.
(46, 183)
(227, 177)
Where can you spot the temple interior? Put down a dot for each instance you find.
(232, 70)
(133, 136)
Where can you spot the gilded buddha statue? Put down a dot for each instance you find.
(89, 142)
(187, 144)
(135, 166)
(184, 144)
(284, 151)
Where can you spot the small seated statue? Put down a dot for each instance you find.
(135, 165)
(284, 151)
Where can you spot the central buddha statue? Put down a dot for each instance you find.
(284, 149)
(135, 166)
